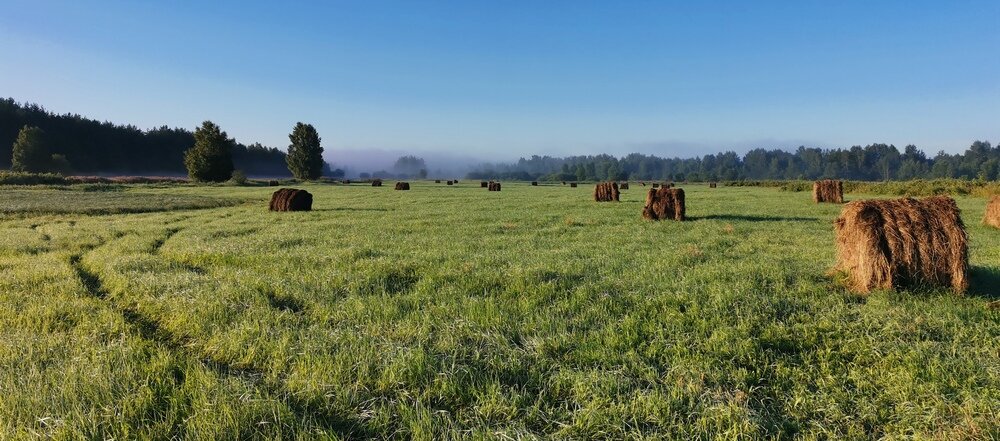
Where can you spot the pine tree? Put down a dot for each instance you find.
(29, 151)
(305, 155)
(211, 157)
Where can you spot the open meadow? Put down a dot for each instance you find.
(161, 311)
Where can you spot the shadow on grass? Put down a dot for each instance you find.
(350, 209)
(752, 218)
(984, 282)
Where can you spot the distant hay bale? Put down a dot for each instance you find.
(484, 184)
(534, 183)
(291, 199)
(273, 183)
(889, 243)
(563, 182)
(572, 184)
(402, 186)
(656, 185)
(347, 182)
(623, 186)
(664, 204)
(992, 217)
(437, 181)
(376, 183)
(451, 182)
(493, 186)
(606, 192)
(711, 185)
(828, 190)
(642, 183)
(455, 181)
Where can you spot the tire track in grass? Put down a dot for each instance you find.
(150, 330)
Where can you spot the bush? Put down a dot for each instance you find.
(238, 178)
(20, 178)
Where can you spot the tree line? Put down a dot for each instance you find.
(874, 162)
(72, 143)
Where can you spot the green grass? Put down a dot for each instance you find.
(453, 312)
(96, 199)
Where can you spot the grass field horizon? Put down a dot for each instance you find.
(453, 312)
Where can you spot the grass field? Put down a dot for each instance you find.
(453, 312)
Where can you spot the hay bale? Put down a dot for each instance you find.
(402, 186)
(572, 184)
(494, 186)
(291, 199)
(451, 183)
(606, 192)
(664, 204)
(346, 181)
(534, 183)
(376, 183)
(623, 186)
(889, 243)
(655, 185)
(437, 181)
(711, 185)
(828, 190)
(484, 184)
(992, 217)
(272, 183)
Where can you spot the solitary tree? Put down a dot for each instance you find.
(211, 157)
(29, 151)
(305, 155)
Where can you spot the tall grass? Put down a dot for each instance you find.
(448, 312)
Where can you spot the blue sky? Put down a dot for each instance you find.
(500, 79)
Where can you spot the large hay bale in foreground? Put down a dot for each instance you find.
(828, 190)
(606, 192)
(402, 186)
(494, 186)
(992, 217)
(664, 204)
(377, 183)
(889, 243)
(291, 199)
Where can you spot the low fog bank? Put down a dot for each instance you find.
(439, 165)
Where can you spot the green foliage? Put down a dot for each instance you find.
(305, 155)
(30, 153)
(17, 178)
(210, 159)
(449, 314)
(238, 178)
(59, 164)
(409, 166)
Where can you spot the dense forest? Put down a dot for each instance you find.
(875, 162)
(102, 147)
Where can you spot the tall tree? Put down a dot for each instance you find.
(305, 155)
(211, 157)
(29, 153)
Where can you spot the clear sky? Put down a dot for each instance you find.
(500, 79)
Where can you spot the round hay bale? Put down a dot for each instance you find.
(572, 184)
(711, 185)
(437, 181)
(494, 186)
(376, 183)
(291, 199)
(451, 183)
(484, 184)
(664, 204)
(828, 190)
(892, 243)
(402, 186)
(272, 183)
(992, 216)
(534, 183)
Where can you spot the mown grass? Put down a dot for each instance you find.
(452, 312)
(96, 199)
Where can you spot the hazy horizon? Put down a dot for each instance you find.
(498, 82)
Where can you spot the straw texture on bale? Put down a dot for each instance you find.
(828, 190)
(992, 217)
(606, 192)
(291, 199)
(494, 186)
(572, 184)
(402, 186)
(377, 183)
(890, 243)
(664, 204)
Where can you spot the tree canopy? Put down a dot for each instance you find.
(210, 159)
(305, 155)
